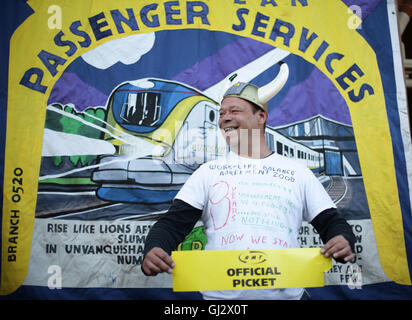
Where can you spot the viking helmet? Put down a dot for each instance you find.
(254, 94)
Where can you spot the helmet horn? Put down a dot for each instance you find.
(227, 85)
(268, 91)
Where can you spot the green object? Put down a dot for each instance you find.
(196, 240)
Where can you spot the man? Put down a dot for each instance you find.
(251, 194)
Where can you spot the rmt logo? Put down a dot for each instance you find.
(253, 257)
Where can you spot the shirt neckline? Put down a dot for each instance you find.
(235, 155)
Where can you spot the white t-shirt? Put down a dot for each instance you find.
(254, 204)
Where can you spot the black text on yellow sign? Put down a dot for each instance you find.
(249, 269)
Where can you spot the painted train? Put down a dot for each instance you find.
(290, 148)
(163, 130)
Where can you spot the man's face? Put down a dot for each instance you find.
(238, 121)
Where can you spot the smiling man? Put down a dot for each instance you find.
(251, 202)
(242, 124)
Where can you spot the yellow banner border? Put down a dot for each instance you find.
(368, 115)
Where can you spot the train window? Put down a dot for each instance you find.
(279, 147)
(141, 109)
(292, 153)
(270, 141)
(212, 116)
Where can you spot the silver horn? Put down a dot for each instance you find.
(271, 89)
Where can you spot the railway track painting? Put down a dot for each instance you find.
(337, 189)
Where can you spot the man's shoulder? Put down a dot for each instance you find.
(206, 166)
(288, 162)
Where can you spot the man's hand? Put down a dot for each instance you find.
(157, 261)
(339, 248)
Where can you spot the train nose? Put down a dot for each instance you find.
(142, 171)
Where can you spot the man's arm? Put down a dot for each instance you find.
(166, 234)
(337, 235)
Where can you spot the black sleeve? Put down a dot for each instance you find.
(329, 224)
(172, 228)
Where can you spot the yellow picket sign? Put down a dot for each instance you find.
(249, 269)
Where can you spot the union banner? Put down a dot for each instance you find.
(109, 106)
